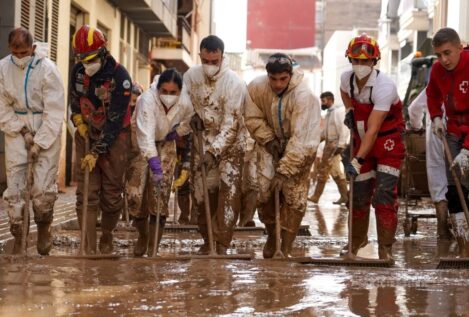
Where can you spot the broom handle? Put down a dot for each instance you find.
(158, 206)
(84, 209)
(27, 200)
(350, 200)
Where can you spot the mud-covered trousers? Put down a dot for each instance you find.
(330, 163)
(293, 194)
(454, 203)
(224, 188)
(44, 189)
(377, 185)
(106, 180)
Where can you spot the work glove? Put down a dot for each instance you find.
(349, 120)
(81, 126)
(34, 151)
(273, 147)
(89, 161)
(209, 160)
(157, 172)
(338, 151)
(462, 159)
(277, 181)
(196, 123)
(172, 136)
(181, 180)
(353, 167)
(438, 127)
(28, 137)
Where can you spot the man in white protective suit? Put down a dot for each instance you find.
(32, 109)
(435, 161)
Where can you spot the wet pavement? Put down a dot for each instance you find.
(146, 287)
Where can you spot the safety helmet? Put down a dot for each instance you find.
(88, 43)
(363, 47)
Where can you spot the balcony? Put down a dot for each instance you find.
(157, 18)
(413, 15)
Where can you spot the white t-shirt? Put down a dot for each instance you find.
(384, 92)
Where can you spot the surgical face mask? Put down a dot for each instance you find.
(92, 68)
(361, 71)
(210, 70)
(169, 100)
(21, 62)
(324, 107)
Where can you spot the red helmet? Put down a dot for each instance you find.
(363, 47)
(88, 42)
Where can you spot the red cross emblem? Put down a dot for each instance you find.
(389, 145)
(463, 86)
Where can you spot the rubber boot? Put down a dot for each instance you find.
(317, 192)
(248, 209)
(184, 202)
(151, 242)
(287, 242)
(108, 224)
(141, 245)
(442, 230)
(194, 211)
(359, 235)
(269, 247)
(461, 231)
(221, 249)
(44, 238)
(17, 230)
(385, 241)
(342, 185)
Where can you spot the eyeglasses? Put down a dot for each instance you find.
(362, 48)
(279, 59)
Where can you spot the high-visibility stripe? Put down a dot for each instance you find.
(73, 40)
(90, 36)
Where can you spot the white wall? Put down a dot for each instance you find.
(458, 13)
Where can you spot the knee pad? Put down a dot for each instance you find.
(454, 204)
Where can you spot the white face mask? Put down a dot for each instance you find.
(210, 70)
(92, 68)
(21, 62)
(169, 100)
(361, 71)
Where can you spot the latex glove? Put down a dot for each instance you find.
(438, 127)
(89, 161)
(171, 136)
(277, 181)
(349, 120)
(181, 180)
(273, 147)
(353, 167)
(196, 123)
(34, 151)
(82, 127)
(209, 160)
(462, 159)
(338, 151)
(157, 172)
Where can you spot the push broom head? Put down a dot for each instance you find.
(453, 263)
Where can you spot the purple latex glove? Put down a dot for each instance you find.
(171, 136)
(155, 166)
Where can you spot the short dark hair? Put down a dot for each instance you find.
(171, 75)
(279, 63)
(212, 43)
(327, 94)
(19, 37)
(446, 35)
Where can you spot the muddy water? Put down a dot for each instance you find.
(145, 287)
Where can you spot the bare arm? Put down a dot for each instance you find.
(375, 120)
(346, 100)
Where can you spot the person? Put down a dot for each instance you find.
(449, 85)
(163, 115)
(283, 117)
(217, 95)
(336, 135)
(374, 112)
(100, 102)
(182, 182)
(435, 163)
(32, 106)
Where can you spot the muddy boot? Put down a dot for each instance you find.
(461, 232)
(248, 209)
(250, 224)
(221, 249)
(287, 242)
(386, 238)
(442, 230)
(141, 245)
(105, 242)
(359, 235)
(269, 247)
(317, 192)
(151, 242)
(194, 215)
(204, 249)
(16, 230)
(342, 185)
(184, 203)
(44, 238)
(108, 224)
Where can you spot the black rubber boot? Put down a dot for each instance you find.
(44, 238)
(141, 245)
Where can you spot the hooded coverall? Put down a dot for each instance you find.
(294, 120)
(31, 97)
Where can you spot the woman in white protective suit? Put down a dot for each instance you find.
(32, 106)
(163, 115)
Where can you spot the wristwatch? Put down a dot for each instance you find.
(360, 160)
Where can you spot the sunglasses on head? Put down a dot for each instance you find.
(279, 59)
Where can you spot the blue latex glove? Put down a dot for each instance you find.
(157, 172)
(349, 120)
(171, 136)
(353, 168)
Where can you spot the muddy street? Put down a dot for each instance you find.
(144, 287)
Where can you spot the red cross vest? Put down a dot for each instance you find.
(393, 123)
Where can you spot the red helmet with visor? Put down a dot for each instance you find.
(88, 43)
(363, 47)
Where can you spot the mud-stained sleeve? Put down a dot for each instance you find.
(146, 125)
(234, 94)
(120, 99)
(342, 130)
(9, 121)
(187, 111)
(54, 108)
(417, 110)
(254, 118)
(306, 132)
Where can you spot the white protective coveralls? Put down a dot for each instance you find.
(435, 156)
(298, 128)
(32, 97)
(218, 101)
(153, 124)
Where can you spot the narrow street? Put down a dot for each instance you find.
(146, 287)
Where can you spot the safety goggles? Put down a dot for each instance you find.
(279, 59)
(366, 49)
